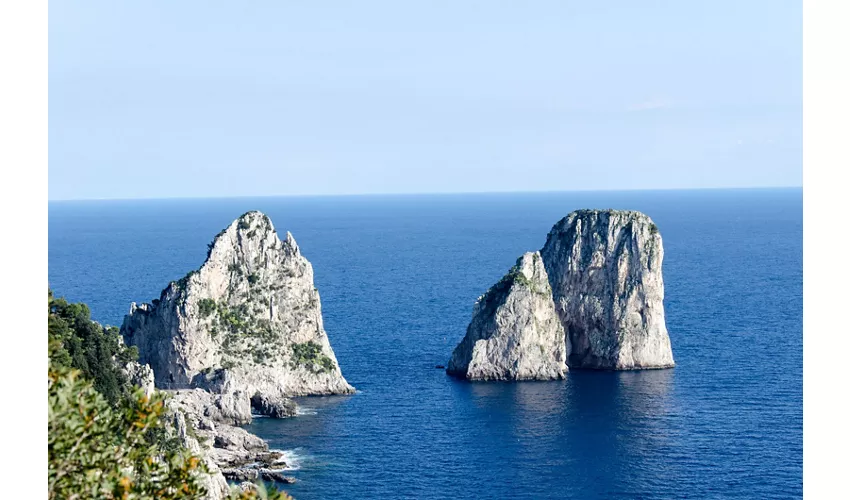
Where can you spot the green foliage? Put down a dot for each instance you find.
(653, 229)
(111, 447)
(241, 321)
(244, 224)
(520, 278)
(80, 343)
(206, 307)
(96, 450)
(309, 354)
(253, 278)
(230, 318)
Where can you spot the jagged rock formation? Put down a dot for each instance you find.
(247, 325)
(603, 269)
(140, 375)
(242, 334)
(229, 452)
(515, 333)
(213, 481)
(233, 408)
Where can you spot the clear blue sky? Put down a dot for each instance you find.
(200, 98)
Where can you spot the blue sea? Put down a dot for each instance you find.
(398, 276)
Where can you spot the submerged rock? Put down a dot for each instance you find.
(515, 333)
(605, 271)
(247, 323)
(592, 297)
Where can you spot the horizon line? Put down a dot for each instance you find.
(423, 193)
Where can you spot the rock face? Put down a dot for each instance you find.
(515, 333)
(213, 481)
(602, 271)
(140, 375)
(247, 324)
(231, 408)
(605, 270)
(229, 452)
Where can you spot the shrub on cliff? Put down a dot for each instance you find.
(310, 354)
(120, 446)
(97, 450)
(80, 343)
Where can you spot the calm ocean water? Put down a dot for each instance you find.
(398, 276)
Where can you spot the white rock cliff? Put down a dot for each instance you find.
(605, 285)
(246, 325)
(605, 270)
(515, 333)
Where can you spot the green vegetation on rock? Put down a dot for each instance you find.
(206, 307)
(96, 450)
(107, 439)
(235, 268)
(514, 276)
(309, 354)
(244, 331)
(78, 342)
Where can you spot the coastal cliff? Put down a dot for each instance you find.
(247, 326)
(592, 296)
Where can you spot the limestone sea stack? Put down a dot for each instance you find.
(515, 333)
(247, 324)
(603, 271)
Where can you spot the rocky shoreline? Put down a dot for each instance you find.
(231, 453)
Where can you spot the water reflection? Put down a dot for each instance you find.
(606, 433)
(616, 430)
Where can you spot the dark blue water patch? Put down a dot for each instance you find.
(398, 276)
